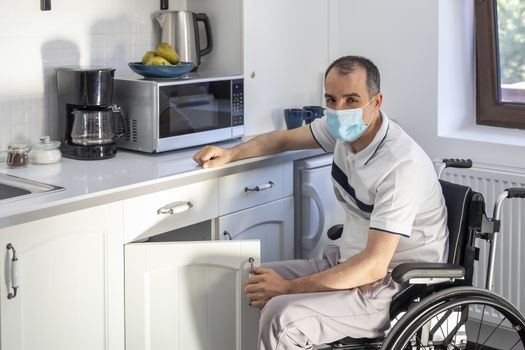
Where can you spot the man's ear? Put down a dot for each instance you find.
(378, 100)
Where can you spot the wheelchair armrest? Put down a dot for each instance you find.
(427, 273)
(335, 232)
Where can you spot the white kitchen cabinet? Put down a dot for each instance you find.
(189, 296)
(285, 48)
(70, 282)
(271, 223)
(254, 187)
(158, 212)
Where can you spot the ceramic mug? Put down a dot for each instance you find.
(313, 112)
(294, 117)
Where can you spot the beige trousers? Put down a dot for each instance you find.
(299, 321)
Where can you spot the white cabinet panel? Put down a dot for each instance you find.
(70, 277)
(189, 296)
(253, 187)
(285, 56)
(271, 223)
(150, 214)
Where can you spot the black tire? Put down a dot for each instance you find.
(455, 302)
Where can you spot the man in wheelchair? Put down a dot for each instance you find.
(395, 215)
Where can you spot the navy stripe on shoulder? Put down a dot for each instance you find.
(392, 232)
(379, 145)
(341, 178)
(315, 138)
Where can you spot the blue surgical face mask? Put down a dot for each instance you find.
(346, 124)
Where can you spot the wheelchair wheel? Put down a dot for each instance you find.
(459, 318)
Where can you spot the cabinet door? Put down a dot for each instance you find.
(70, 282)
(271, 223)
(189, 296)
(284, 58)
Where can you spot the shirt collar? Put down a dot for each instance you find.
(362, 157)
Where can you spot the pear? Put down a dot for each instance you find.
(157, 61)
(147, 56)
(165, 50)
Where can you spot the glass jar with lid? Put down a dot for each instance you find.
(45, 151)
(17, 155)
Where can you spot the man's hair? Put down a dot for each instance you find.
(347, 64)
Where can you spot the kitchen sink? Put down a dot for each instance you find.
(15, 188)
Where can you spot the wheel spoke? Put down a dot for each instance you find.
(423, 324)
(457, 321)
(480, 323)
(516, 343)
(490, 335)
(420, 342)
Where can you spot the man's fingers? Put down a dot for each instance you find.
(204, 154)
(262, 270)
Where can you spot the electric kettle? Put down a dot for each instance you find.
(180, 30)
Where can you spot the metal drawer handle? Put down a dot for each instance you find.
(14, 272)
(260, 188)
(174, 208)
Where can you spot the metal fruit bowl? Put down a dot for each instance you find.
(174, 71)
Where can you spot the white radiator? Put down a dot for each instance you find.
(509, 270)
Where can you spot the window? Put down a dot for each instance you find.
(500, 52)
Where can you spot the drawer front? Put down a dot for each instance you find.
(250, 188)
(163, 211)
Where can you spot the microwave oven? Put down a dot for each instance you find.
(162, 115)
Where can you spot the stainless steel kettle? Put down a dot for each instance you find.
(180, 30)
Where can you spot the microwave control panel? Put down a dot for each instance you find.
(237, 102)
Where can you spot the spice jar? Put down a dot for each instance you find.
(17, 155)
(45, 152)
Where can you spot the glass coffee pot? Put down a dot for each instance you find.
(95, 127)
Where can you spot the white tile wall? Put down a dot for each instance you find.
(33, 42)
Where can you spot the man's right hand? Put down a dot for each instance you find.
(212, 156)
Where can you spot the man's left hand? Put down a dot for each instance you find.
(264, 285)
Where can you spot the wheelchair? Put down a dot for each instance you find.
(439, 308)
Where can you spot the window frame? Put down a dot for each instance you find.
(489, 109)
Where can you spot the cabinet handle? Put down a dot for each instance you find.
(227, 234)
(259, 188)
(251, 261)
(14, 272)
(174, 208)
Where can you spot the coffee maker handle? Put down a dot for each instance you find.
(117, 110)
(202, 17)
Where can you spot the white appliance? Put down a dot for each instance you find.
(316, 206)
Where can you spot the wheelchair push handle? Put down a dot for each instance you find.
(457, 163)
(515, 192)
(453, 163)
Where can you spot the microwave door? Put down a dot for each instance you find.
(194, 113)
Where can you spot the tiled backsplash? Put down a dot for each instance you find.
(32, 43)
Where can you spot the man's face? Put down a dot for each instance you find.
(348, 91)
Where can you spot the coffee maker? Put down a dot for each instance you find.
(88, 119)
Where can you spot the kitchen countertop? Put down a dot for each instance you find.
(128, 174)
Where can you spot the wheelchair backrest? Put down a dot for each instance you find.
(457, 200)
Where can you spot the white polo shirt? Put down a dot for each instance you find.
(389, 186)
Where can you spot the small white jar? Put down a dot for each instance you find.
(45, 152)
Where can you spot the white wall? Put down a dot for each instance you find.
(425, 52)
(33, 42)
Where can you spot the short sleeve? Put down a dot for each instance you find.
(399, 197)
(321, 134)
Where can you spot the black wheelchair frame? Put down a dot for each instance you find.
(432, 311)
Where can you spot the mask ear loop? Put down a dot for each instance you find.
(373, 114)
